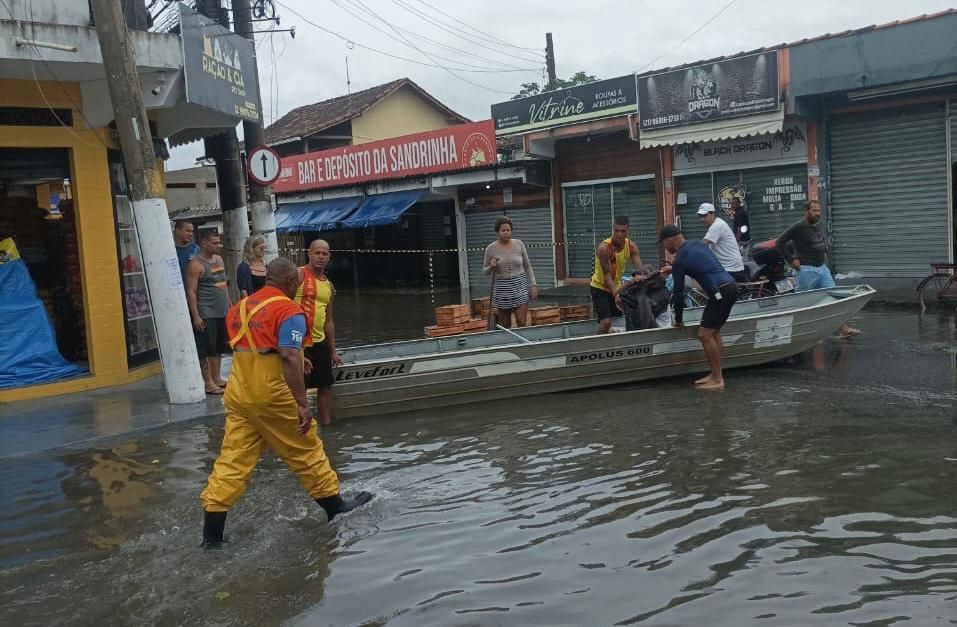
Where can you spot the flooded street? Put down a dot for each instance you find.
(814, 492)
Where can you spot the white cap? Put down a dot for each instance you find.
(705, 208)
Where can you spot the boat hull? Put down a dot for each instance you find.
(419, 374)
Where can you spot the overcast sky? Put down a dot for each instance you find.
(606, 38)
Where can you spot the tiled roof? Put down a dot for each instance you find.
(855, 31)
(310, 119)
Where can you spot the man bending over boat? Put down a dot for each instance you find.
(694, 258)
(266, 404)
(611, 257)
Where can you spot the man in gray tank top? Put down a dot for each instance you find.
(208, 304)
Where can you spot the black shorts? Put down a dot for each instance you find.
(741, 276)
(716, 312)
(321, 358)
(604, 304)
(213, 341)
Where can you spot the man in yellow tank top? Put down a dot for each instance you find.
(611, 257)
(315, 295)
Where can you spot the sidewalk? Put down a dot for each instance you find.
(82, 419)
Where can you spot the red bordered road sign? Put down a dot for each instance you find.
(262, 165)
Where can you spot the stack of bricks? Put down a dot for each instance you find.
(454, 320)
(570, 313)
(544, 315)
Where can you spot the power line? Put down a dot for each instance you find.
(362, 19)
(685, 40)
(469, 26)
(370, 48)
(466, 53)
(429, 57)
(458, 32)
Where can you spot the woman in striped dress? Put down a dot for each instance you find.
(514, 283)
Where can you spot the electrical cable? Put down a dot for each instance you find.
(429, 57)
(469, 26)
(467, 53)
(403, 42)
(685, 40)
(460, 33)
(365, 47)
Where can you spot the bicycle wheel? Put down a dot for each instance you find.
(934, 288)
(696, 298)
(750, 293)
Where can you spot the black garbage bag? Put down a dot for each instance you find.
(643, 301)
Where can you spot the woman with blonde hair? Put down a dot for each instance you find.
(251, 273)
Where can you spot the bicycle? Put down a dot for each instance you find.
(695, 297)
(939, 285)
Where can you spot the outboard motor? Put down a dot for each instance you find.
(767, 264)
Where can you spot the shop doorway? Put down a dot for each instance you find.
(37, 215)
(391, 256)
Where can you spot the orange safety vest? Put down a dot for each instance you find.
(256, 379)
(313, 295)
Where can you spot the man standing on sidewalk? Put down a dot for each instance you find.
(720, 240)
(208, 304)
(266, 405)
(186, 248)
(315, 295)
(810, 258)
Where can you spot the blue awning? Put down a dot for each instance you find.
(382, 209)
(315, 215)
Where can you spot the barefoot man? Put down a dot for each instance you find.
(695, 259)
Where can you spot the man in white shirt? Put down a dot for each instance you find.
(720, 239)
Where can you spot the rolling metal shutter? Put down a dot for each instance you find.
(953, 130)
(771, 213)
(588, 219)
(637, 200)
(698, 189)
(889, 208)
(534, 228)
(479, 233)
(437, 220)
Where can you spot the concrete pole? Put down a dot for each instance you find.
(224, 149)
(184, 382)
(254, 136)
(550, 62)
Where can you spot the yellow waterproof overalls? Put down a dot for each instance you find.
(260, 409)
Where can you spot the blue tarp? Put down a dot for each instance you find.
(316, 215)
(28, 351)
(382, 209)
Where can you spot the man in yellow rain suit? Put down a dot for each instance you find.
(266, 404)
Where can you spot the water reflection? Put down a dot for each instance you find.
(815, 492)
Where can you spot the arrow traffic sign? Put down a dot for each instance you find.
(262, 165)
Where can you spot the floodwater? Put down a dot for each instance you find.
(814, 492)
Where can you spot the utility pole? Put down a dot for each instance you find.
(184, 383)
(224, 149)
(550, 62)
(264, 221)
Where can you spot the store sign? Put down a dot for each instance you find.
(715, 91)
(219, 66)
(785, 193)
(788, 145)
(453, 148)
(728, 193)
(615, 96)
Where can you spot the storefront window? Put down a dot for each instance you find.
(774, 197)
(141, 344)
(590, 211)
